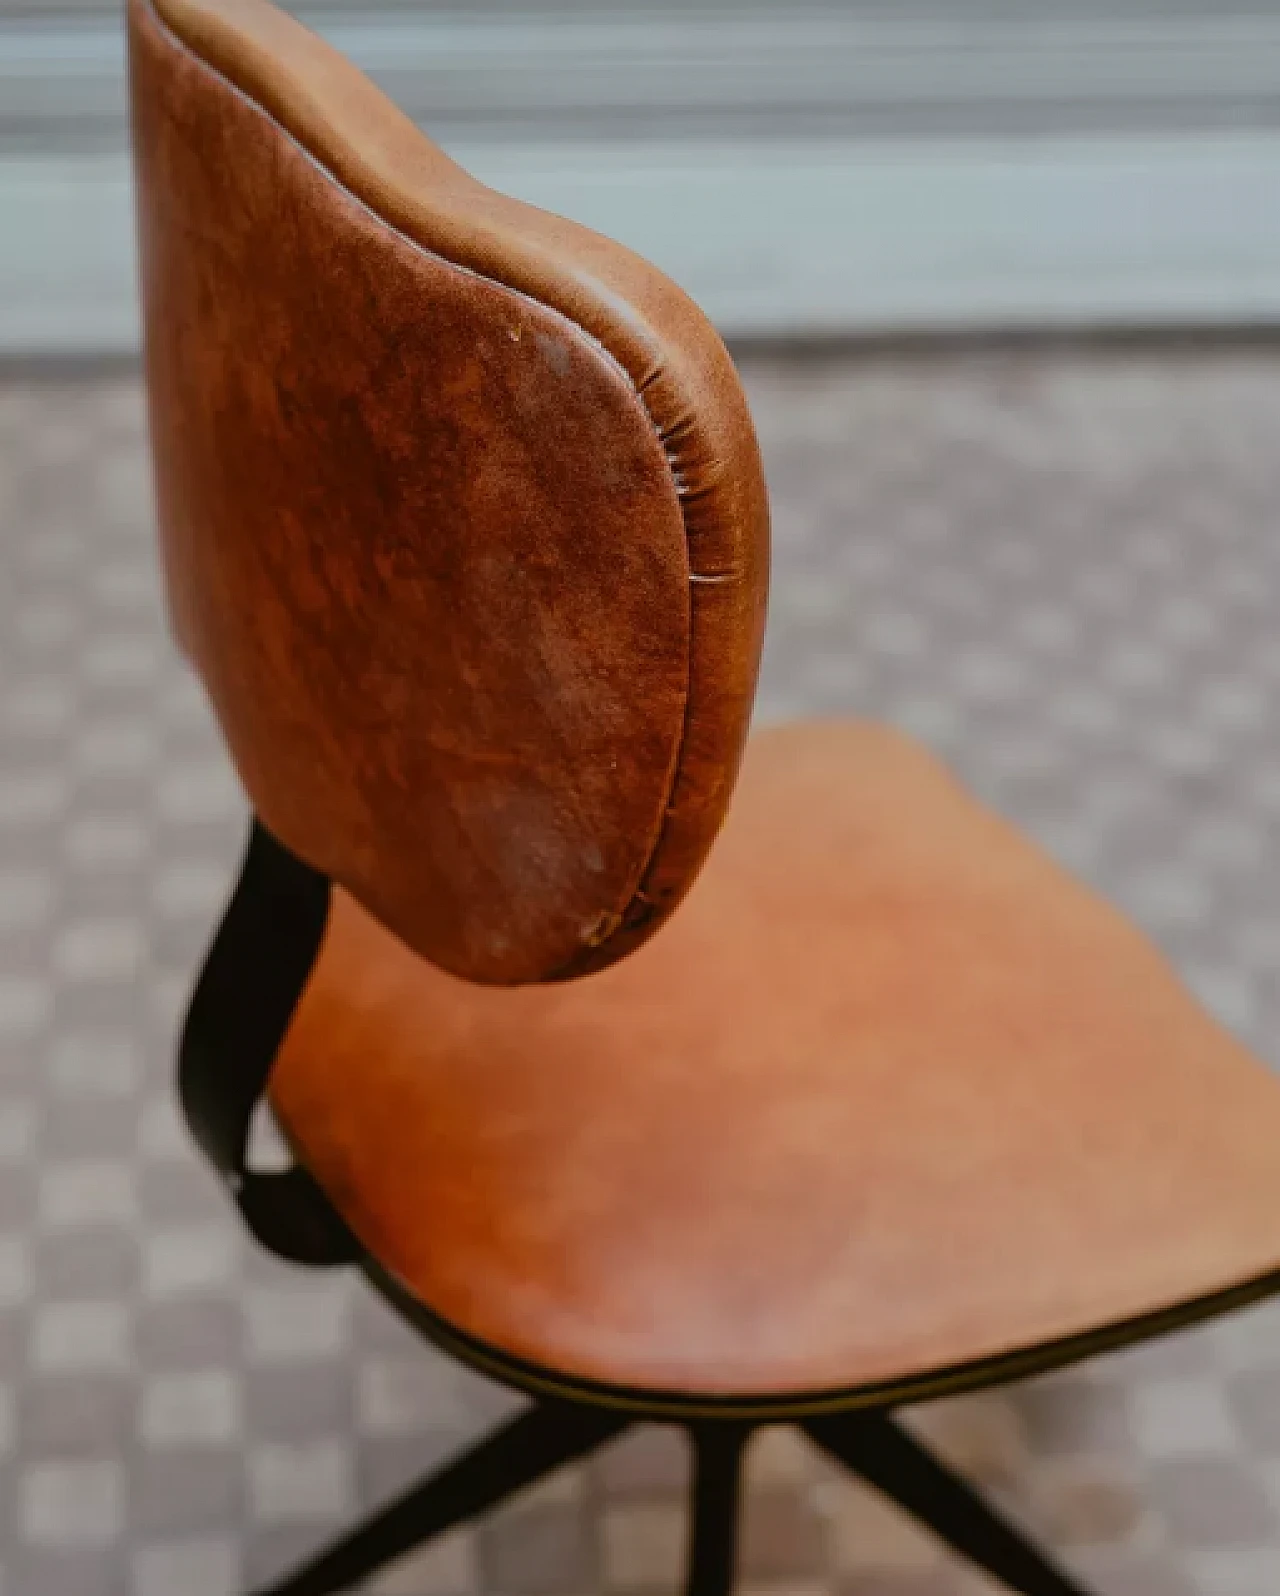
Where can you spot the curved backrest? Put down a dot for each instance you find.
(463, 519)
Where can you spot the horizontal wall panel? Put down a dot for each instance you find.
(794, 73)
(862, 167)
(657, 11)
(794, 239)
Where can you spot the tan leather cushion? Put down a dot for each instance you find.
(463, 517)
(890, 1092)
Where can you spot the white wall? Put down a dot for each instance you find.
(867, 168)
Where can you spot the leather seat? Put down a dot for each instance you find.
(890, 1094)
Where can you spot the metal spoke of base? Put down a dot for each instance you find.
(531, 1445)
(884, 1455)
(717, 1483)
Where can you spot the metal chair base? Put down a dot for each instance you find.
(550, 1434)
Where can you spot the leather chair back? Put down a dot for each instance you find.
(463, 518)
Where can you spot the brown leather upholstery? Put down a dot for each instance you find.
(890, 1093)
(464, 523)
(465, 531)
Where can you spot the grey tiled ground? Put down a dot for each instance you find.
(1061, 569)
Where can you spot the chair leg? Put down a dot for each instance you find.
(520, 1452)
(883, 1454)
(717, 1483)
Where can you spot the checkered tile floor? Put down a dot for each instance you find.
(1059, 568)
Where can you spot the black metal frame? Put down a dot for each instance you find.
(252, 979)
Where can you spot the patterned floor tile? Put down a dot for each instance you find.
(1057, 567)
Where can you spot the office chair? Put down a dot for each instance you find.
(465, 531)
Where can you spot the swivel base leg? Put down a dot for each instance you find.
(531, 1445)
(876, 1449)
(717, 1490)
(551, 1434)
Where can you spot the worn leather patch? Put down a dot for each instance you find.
(478, 607)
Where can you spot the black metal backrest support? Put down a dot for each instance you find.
(250, 985)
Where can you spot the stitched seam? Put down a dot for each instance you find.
(639, 896)
(999, 1368)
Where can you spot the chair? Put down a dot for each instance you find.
(465, 531)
